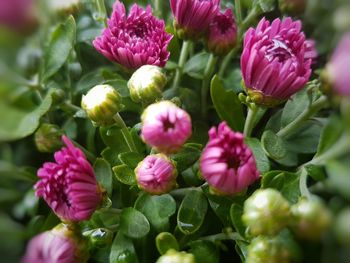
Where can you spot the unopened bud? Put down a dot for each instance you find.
(48, 138)
(100, 237)
(172, 256)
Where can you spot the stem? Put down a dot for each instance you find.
(238, 7)
(182, 60)
(206, 82)
(126, 133)
(309, 112)
(250, 121)
(158, 7)
(250, 18)
(223, 236)
(303, 185)
(226, 61)
(101, 9)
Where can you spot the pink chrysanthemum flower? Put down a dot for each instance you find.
(275, 61)
(192, 17)
(337, 70)
(55, 246)
(227, 164)
(156, 174)
(222, 34)
(165, 126)
(134, 40)
(16, 14)
(69, 185)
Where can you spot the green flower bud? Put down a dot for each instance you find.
(146, 84)
(310, 219)
(172, 256)
(48, 138)
(266, 212)
(101, 104)
(99, 237)
(342, 227)
(268, 250)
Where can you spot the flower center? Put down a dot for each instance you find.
(168, 125)
(223, 23)
(278, 50)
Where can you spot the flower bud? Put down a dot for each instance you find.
(146, 84)
(101, 103)
(310, 219)
(61, 244)
(268, 250)
(173, 256)
(156, 174)
(100, 237)
(292, 7)
(48, 138)
(266, 212)
(165, 126)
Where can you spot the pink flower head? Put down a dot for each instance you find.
(134, 40)
(192, 17)
(55, 247)
(15, 14)
(338, 67)
(69, 185)
(156, 174)
(227, 164)
(275, 61)
(165, 126)
(222, 35)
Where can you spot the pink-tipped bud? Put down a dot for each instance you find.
(165, 126)
(68, 185)
(222, 34)
(156, 174)
(60, 245)
(227, 163)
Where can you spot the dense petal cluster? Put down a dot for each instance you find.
(338, 67)
(134, 40)
(227, 164)
(192, 17)
(222, 34)
(69, 185)
(275, 61)
(156, 174)
(165, 126)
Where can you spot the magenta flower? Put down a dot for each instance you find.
(69, 185)
(165, 126)
(275, 61)
(192, 17)
(55, 246)
(156, 174)
(227, 164)
(338, 67)
(222, 34)
(16, 14)
(134, 40)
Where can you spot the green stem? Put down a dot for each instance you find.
(238, 8)
(101, 9)
(126, 133)
(206, 83)
(158, 7)
(247, 22)
(250, 121)
(225, 62)
(303, 184)
(223, 236)
(182, 60)
(309, 112)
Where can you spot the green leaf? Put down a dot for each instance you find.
(192, 212)
(273, 145)
(227, 105)
(125, 174)
(195, 66)
(113, 138)
(17, 124)
(294, 107)
(261, 159)
(236, 212)
(186, 157)
(107, 217)
(339, 177)
(157, 209)
(59, 47)
(316, 172)
(103, 174)
(122, 250)
(267, 5)
(133, 223)
(205, 251)
(166, 241)
(131, 159)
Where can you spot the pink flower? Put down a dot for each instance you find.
(134, 40)
(338, 67)
(222, 35)
(192, 17)
(165, 126)
(54, 246)
(156, 174)
(16, 14)
(310, 50)
(275, 61)
(227, 164)
(69, 185)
